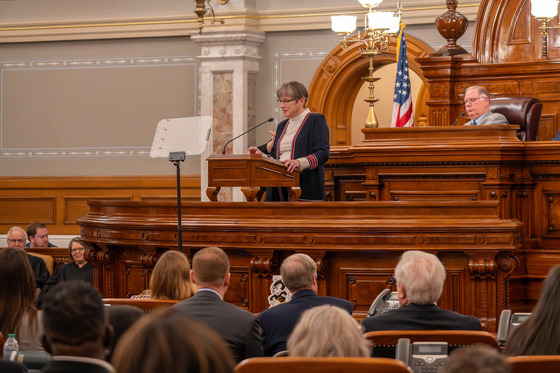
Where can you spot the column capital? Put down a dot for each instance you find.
(229, 45)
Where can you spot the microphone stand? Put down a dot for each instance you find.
(177, 158)
(460, 116)
(249, 130)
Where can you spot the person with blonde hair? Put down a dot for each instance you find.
(420, 277)
(327, 331)
(170, 278)
(168, 342)
(18, 313)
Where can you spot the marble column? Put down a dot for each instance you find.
(229, 62)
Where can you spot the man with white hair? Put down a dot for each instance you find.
(477, 106)
(16, 239)
(420, 277)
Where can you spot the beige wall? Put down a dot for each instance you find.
(90, 106)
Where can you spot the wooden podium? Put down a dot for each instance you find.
(252, 172)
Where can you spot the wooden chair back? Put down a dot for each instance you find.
(384, 342)
(535, 363)
(320, 365)
(49, 260)
(146, 305)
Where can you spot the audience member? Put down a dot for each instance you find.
(76, 330)
(420, 277)
(7, 366)
(77, 269)
(540, 333)
(327, 331)
(17, 300)
(239, 328)
(121, 318)
(38, 235)
(476, 359)
(170, 341)
(170, 278)
(16, 238)
(299, 273)
(477, 105)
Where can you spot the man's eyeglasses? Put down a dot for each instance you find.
(285, 101)
(472, 100)
(14, 241)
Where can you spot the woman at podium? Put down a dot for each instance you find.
(301, 141)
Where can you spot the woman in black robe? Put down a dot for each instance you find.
(77, 269)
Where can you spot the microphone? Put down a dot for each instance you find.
(460, 116)
(249, 130)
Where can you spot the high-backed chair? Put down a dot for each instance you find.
(384, 341)
(49, 260)
(535, 363)
(146, 305)
(524, 111)
(320, 365)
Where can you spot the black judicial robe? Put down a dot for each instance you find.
(40, 271)
(69, 271)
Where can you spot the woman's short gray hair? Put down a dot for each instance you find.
(422, 275)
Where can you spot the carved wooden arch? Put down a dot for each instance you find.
(505, 31)
(337, 81)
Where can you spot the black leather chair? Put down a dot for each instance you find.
(524, 111)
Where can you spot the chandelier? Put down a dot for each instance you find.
(378, 27)
(201, 11)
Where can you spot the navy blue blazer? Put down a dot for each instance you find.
(420, 317)
(278, 322)
(239, 328)
(311, 142)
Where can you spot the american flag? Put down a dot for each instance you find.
(403, 115)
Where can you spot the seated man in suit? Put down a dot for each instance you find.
(16, 238)
(76, 329)
(477, 105)
(240, 329)
(38, 235)
(299, 273)
(420, 277)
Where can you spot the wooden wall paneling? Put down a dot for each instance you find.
(59, 201)
(26, 208)
(355, 244)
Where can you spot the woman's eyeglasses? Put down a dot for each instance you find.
(285, 101)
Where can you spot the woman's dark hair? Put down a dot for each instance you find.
(121, 318)
(538, 335)
(169, 341)
(17, 290)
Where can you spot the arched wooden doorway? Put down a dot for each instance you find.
(337, 81)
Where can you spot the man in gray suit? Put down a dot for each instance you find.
(477, 105)
(239, 328)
